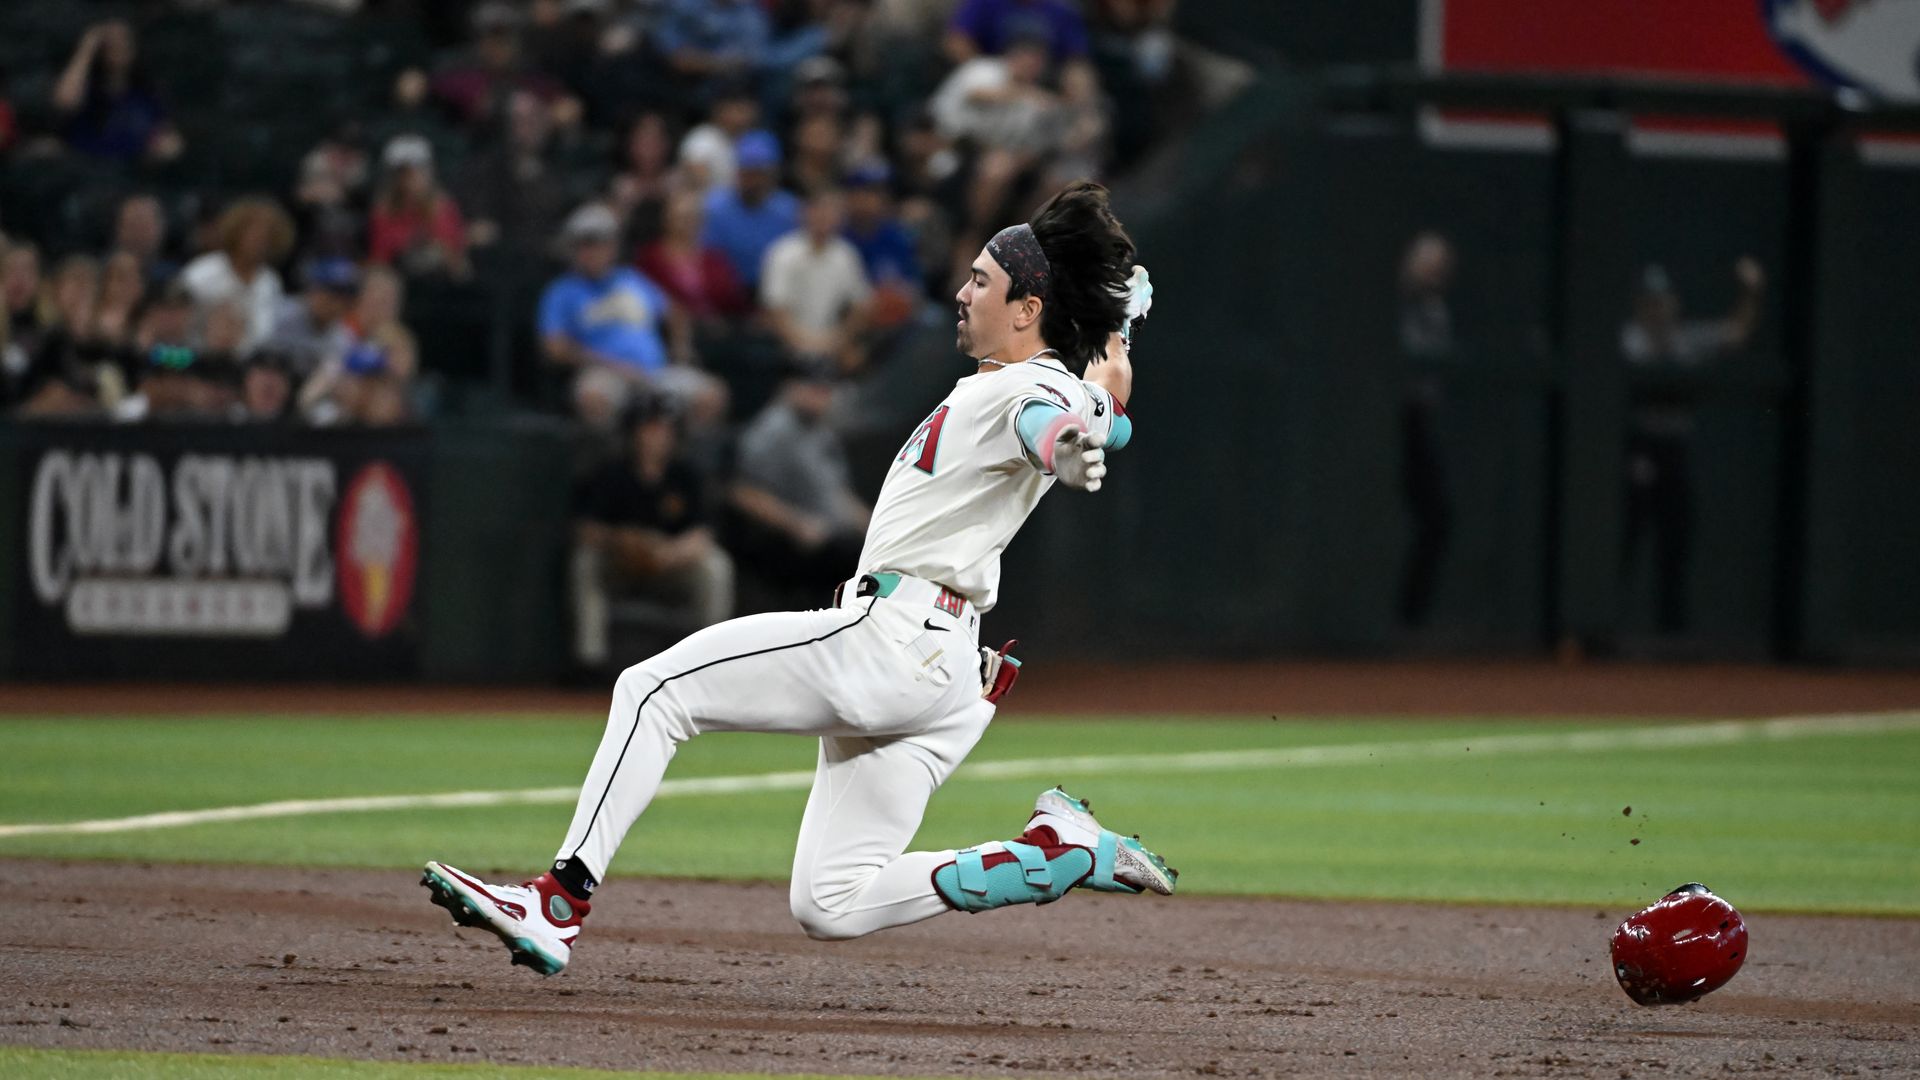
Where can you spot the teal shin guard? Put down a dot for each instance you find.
(1023, 874)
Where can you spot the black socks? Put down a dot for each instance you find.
(573, 877)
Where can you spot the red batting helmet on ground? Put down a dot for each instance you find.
(1680, 949)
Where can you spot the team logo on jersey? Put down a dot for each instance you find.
(1057, 396)
(376, 544)
(1867, 45)
(924, 446)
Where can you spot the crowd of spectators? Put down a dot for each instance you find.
(128, 335)
(693, 189)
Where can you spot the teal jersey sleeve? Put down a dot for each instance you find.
(1035, 416)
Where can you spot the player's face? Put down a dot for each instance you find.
(985, 318)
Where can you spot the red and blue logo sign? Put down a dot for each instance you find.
(1872, 46)
(1868, 45)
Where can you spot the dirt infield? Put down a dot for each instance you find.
(693, 975)
(708, 976)
(1357, 688)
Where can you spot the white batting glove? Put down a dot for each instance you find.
(1139, 301)
(1078, 460)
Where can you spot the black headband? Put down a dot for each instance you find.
(1018, 252)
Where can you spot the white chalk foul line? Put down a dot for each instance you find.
(173, 819)
(1563, 742)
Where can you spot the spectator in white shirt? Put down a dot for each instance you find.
(1000, 102)
(1002, 108)
(707, 153)
(253, 235)
(815, 289)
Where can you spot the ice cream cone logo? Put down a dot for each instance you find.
(375, 545)
(376, 578)
(376, 540)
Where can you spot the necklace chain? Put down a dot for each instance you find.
(1055, 353)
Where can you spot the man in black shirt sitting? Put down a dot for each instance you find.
(641, 531)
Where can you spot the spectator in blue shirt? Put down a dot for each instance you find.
(886, 247)
(705, 38)
(109, 107)
(745, 221)
(604, 320)
(724, 39)
(985, 27)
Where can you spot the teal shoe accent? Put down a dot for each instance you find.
(1105, 854)
(525, 952)
(1084, 805)
(1031, 878)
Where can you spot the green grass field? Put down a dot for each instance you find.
(1829, 821)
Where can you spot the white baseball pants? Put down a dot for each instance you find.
(892, 688)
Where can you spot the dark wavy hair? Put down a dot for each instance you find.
(1091, 257)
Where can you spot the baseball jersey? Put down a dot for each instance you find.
(963, 484)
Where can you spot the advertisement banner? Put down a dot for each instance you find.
(1698, 41)
(209, 552)
(1869, 48)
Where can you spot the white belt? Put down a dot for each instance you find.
(902, 589)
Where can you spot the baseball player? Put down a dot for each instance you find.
(892, 678)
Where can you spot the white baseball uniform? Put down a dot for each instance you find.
(891, 684)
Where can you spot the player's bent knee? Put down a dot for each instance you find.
(828, 930)
(822, 924)
(644, 687)
(823, 919)
(635, 681)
